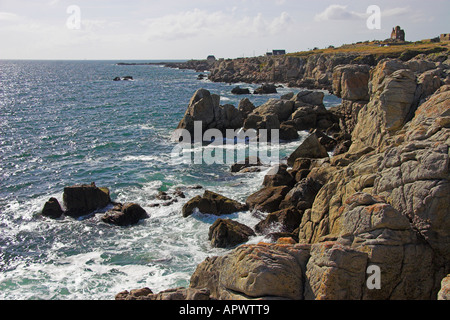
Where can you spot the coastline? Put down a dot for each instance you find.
(355, 184)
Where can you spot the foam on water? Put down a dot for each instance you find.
(78, 126)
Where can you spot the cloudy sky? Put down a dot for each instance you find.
(193, 29)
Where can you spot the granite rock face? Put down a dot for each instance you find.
(259, 271)
(375, 219)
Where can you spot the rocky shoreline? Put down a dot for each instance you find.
(381, 200)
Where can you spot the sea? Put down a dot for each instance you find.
(66, 122)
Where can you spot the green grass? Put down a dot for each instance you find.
(378, 49)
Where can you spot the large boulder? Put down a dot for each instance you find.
(52, 209)
(205, 108)
(267, 199)
(246, 107)
(350, 82)
(239, 90)
(285, 220)
(227, 233)
(279, 176)
(302, 195)
(212, 203)
(266, 89)
(125, 215)
(308, 97)
(280, 108)
(250, 161)
(80, 200)
(310, 148)
(259, 271)
(392, 89)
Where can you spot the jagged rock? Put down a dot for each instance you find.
(266, 89)
(350, 82)
(288, 132)
(257, 122)
(308, 97)
(285, 220)
(310, 148)
(212, 203)
(287, 96)
(281, 178)
(392, 90)
(267, 199)
(205, 107)
(246, 107)
(247, 163)
(229, 233)
(335, 272)
(80, 200)
(259, 271)
(280, 108)
(302, 195)
(239, 90)
(125, 215)
(52, 209)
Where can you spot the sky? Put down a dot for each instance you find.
(194, 29)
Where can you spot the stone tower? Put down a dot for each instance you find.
(398, 34)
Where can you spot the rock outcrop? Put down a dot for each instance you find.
(227, 233)
(204, 107)
(80, 200)
(303, 111)
(52, 209)
(375, 219)
(212, 203)
(125, 215)
(254, 272)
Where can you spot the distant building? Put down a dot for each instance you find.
(445, 37)
(211, 58)
(398, 34)
(276, 53)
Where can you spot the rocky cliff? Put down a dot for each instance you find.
(381, 204)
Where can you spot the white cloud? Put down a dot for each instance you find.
(8, 16)
(202, 23)
(338, 12)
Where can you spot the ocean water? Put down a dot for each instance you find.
(66, 122)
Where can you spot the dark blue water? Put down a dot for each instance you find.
(67, 122)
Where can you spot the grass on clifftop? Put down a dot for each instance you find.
(404, 51)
